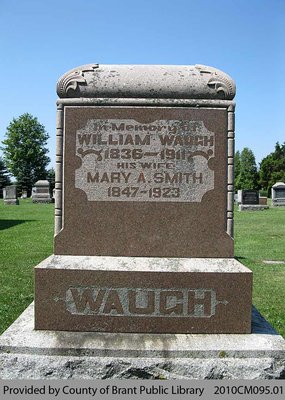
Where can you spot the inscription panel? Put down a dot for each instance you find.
(144, 181)
(279, 193)
(124, 300)
(250, 197)
(124, 160)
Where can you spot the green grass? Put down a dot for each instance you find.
(259, 236)
(26, 238)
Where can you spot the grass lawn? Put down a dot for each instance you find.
(26, 238)
(260, 236)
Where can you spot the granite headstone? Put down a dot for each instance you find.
(144, 205)
(10, 195)
(250, 197)
(278, 194)
(249, 200)
(41, 192)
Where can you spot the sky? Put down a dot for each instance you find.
(41, 40)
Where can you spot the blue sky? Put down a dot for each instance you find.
(41, 40)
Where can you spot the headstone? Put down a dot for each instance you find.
(250, 201)
(263, 200)
(40, 192)
(250, 197)
(144, 205)
(10, 195)
(278, 194)
(239, 196)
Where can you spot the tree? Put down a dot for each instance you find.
(24, 150)
(272, 168)
(4, 176)
(237, 169)
(248, 176)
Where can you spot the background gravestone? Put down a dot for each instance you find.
(250, 197)
(278, 194)
(263, 200)
(41, 192)
(249, 200)
(144, 205)
(10, 195)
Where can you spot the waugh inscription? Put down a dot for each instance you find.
(91, 300)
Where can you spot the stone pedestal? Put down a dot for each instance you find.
(41, 193)
(33, 354)
(140, 294)
(13, 202)
(252, 207)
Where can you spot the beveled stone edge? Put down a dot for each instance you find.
(144, 264)
(155, 102)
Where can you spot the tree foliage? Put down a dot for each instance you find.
(4, 176)
(248, 175)
(24, 150)
(272, 168)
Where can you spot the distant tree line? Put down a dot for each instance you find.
(25, 158)
(25, 154)
(271, 169)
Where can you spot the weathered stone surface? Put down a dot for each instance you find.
(144, 81)
(26, 353)
(137, 294)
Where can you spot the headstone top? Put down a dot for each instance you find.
(42, 183)
(279, 184)
(146, 81)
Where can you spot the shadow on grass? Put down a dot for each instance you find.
(240, 258)
(9, 223)
(260, 325)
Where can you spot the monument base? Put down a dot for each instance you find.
(29, 354)
(252, 207)
(281, 204)
(42, 201)
(143, 295)
(13, 202)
